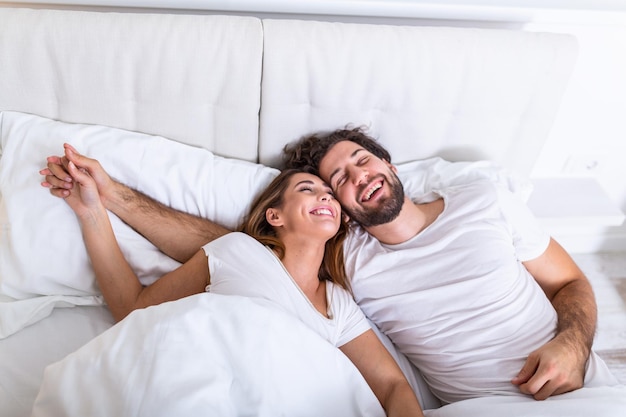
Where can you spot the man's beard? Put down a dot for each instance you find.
(388, 209)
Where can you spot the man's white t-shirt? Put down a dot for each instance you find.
(456, 299)
(240, 265)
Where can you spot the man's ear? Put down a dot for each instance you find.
(272, 216)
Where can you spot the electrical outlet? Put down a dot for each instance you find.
(583, 164)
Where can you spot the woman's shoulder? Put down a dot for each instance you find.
(237, 241)
(234, 237)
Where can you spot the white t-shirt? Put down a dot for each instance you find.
(456, 298)
(240, 265)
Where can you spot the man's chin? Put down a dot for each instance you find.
(376, 214)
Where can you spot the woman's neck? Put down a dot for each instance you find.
(303, 259)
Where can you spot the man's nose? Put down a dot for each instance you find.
(358, 175)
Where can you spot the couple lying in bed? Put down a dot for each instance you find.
(468, 287)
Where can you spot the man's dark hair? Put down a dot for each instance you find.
(309, 151)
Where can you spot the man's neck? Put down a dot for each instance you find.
(413, 218)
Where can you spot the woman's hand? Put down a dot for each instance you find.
(83, 197)
(61, 182)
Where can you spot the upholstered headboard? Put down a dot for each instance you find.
(243, 87)
(458, 93)
(194, 79)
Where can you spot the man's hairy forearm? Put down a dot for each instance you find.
(177, 234)
(577, 315)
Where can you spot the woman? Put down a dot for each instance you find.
(292, 240)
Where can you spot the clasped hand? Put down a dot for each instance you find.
(76, 179)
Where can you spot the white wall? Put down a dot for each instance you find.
(589, 135)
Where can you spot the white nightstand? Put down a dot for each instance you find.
(576, 211)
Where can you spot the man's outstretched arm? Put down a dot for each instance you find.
(559, 365)
(176, 233)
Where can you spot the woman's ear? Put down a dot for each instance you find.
(272, 215)
(345, 217)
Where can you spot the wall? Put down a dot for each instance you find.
(588, 138)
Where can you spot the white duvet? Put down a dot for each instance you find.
(211, 355)
(218, 355)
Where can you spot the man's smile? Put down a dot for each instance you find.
(370, 190)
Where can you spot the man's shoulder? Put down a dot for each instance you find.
(476, 187)
(356, 233)
(357, 239)
(476, 191)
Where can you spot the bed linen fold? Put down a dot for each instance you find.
(18, 314)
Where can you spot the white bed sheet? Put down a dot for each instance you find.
(24, 355)
(585, 402)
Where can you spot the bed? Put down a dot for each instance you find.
(194, 110)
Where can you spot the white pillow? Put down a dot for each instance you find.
(43, 261)
(42, 251)
(420, 178)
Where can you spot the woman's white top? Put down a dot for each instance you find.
(240, 265)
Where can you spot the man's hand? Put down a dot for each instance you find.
(555, 368)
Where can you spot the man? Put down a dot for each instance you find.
(467, 286)
(466, 332)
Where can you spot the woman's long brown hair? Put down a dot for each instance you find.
(257, 226)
